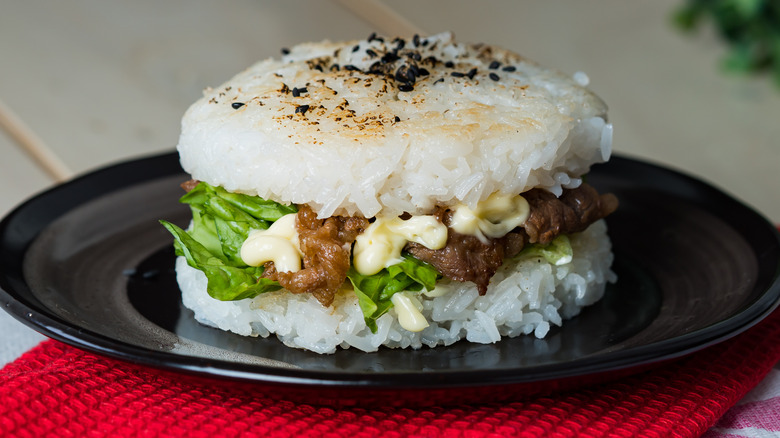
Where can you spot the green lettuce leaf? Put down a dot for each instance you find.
(374, 291)
(557, 252)
(221, 222)
(225, 282)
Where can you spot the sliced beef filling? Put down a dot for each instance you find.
(574, 211)
(326, 245)
(466, 258)
(189, 185)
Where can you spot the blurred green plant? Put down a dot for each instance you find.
(751, 28)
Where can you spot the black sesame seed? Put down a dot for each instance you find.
(449, 64)
(376, 69)
(509, 68)
(416, 40)
(356, 48)
(334, 67)
(438, 80)
(405, 74)
(237, 105)
(371, 53)
(494, 65)
(301, 109)
(399, 44)
(318, 67)
(400, 74)
(397, 119)
(390, 57)
(351, 67)
(494, 76)
(405, 87)
(285, 51)
(296, 92)
(472, 73)
(374, 37)
(423, 72)
(457, 74)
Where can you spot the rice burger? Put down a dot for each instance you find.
(393, 192)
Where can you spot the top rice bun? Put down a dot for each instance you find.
(347, 129)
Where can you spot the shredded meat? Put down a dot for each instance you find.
(189, 185)
(571, 213)
(466, 258)
(326, 245)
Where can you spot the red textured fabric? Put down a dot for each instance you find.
(58, 390)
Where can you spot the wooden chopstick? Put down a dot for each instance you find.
(381, 17)
(31, 144)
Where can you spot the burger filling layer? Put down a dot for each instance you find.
(247, 245)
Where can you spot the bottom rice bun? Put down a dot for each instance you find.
(393, 192)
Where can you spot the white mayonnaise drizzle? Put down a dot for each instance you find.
(278, 244)
(408, 308)
(380, 245)
(493, 217)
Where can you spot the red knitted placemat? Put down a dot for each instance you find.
(58, 390)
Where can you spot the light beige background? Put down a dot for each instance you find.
(93, 82)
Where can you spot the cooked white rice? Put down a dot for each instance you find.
(363, 146)
(526, 296)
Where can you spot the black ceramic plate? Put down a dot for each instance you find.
(87, 263)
